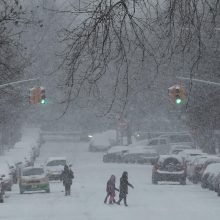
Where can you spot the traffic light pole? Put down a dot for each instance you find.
(200, 81)
(18, 82)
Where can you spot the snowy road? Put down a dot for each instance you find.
(146, 201)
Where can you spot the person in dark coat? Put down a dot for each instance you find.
(110, 189)
(123, 189)
(66, 177)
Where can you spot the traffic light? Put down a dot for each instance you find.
(37, 95)
(33, 95)
(178, 99)
(177, 94)
(42, 96)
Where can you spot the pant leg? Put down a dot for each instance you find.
(125, 201)
(111, 199)
(66, 190)
(106, 198)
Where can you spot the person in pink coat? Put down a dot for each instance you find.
(110, 189)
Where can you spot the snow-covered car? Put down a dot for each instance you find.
(169, 168)
(115, 154)
(161, 145)
(7, 179)
(177, 148)
(11, 166)
(1, 190)
(178, 138)
(101, 142)
(194, 168)
(190, 154)
(140, 154)
(207, 162)
(211, 169)
(34, 179)
(54, 167)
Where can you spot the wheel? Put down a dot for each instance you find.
(194, 180)
(1, 200)
(21, 191)
(154, 180)
(183, 182)
(48, 191)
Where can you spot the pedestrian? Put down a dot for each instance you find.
(110, 189)
(66, 177)
(123, 189)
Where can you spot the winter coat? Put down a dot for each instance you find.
(110, 188)
(67, 176)
(124, 185)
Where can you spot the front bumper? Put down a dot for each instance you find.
(54, 176)
(173, 177)
(34, 187)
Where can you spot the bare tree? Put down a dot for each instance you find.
(111, 37)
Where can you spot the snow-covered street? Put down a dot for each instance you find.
(145, 201)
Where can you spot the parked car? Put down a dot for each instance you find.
(190, 154)
(54, 167)
(1, 190)
(5, 173)
(140, 155)
(169, 168)
(11, 166)
(208, 172)
(34, 179)
(208, 161)
(179, 138)
(177, 148)
(115, 154)
(194, 168)
(161, 145)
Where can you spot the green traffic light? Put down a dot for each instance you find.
(43, 101)
(178, 101)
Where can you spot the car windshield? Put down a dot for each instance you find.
(32, 172)
(57, 163)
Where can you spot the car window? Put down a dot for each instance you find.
(35, 171)
(57, 163)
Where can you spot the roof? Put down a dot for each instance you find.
(55, 158)
(164, 157)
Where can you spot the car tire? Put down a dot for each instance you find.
(21, 191)
(1, 200)
(183, 182)
(154, 180)
(48, 191)
(9, 189)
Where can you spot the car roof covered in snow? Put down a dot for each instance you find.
(142, 149)
(212, 168)
(164, 157)
(55, 158)
(191, 151)
(118, 149)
